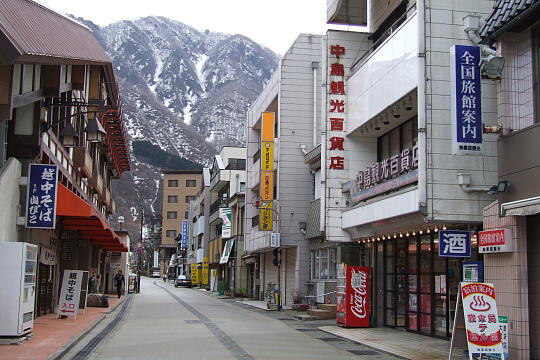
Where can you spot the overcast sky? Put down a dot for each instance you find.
(273, 23)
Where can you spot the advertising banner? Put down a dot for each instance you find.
(194, 274)
(265, 217)
(185, 233)
(267, 171)
(41, 196)
(495, 241)
(484, 336)
(454, 243)
(68, 302)
(225, 215)
(466, 100)
(227, 251)
(204, 271)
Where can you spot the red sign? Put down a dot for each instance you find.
(336, 107)
(353, 304)
(495, 241)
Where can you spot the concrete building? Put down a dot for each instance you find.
(513, 29)
(397, 164)
(292, 95)
(59, 105)
(226, 242)
(180, 187)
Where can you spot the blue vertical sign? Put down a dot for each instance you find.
(466, 100)
(454, 243)
(184, 233)
(41, 196)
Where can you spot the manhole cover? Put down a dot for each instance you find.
(193, 321)
(364, 352)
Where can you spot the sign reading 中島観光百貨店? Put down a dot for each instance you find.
(466, 100)
(41, 196)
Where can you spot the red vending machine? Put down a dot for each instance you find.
(353, 301)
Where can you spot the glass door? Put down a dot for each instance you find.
(401, 281)
(412, 266)
(425, 286)
(390, 284)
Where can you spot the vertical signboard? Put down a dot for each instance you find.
(466, 100)
(225, 215)
(204, 272)
(185, 233)
(68, 302)
(156, 259)
(41, 196)
(194, 274)
(267, 172)
(454, 243)
(336, 108)
(484, 336)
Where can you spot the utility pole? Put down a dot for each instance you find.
(139, 255)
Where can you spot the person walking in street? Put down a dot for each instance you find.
(164, 278)
(119, 280)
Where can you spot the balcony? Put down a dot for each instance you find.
(346, 12)
(83, 161)
(219, 180)
(96, 181)
(385, 75)
(105, 195)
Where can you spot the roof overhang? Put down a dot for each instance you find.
(346, 12)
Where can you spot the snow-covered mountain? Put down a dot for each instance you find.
(185, 94)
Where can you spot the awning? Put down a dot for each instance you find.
(525, 207)
(227, 251)
(77, 214)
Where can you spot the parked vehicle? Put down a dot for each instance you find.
(156, 274)
(182, 280)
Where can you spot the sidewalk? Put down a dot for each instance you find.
(51, 335)
(396, 342)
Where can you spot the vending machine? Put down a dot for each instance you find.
(353, 296)
(18, 266)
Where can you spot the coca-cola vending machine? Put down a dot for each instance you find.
(353, 304)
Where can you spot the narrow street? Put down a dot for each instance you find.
(164, 322)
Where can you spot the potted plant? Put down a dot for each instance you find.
(297, 301)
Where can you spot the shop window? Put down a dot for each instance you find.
(402, 137)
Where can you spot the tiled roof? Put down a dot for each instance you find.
(503, 12)
(30, 32)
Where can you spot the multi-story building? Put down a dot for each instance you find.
(180, 187)
(59, 106)
(226, 242)
(403, 154)
(291, 96)
(514, 30)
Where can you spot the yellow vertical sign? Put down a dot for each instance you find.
(194, 274)
(267, 171)
(204, 271)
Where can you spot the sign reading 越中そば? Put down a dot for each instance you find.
(466, 100)
(68, 302)
(41, 197)
(484, 336)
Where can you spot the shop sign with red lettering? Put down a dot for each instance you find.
(336, 108)
(495, 241)
(484, 336)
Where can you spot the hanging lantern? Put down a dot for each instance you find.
(68, 136)
(95, 132)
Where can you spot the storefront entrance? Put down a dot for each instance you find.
(414, 288)
(44, 301)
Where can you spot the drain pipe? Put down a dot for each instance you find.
(322, 220)
(471, 25)
(422, 109)
(314, 67)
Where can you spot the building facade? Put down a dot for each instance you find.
(514, 31)
(59, 106)
(180, 187)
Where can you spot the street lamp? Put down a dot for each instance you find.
(120, 221)
(95, 132)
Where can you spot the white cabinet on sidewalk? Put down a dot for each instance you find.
(18, 266)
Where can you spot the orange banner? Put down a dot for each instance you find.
(267, 128)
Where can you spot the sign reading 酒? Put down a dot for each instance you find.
(454, 243)
(41, 197)
(185, 232)
(68, 302)
(466, 100)
(484, 336)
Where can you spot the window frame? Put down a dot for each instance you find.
(173, 231)
(170, 183)
(169, 199)
(170, 215)
(191, 183)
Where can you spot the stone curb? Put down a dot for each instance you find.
(75, 340)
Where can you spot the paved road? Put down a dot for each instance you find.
(168, 323)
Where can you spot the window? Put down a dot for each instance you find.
(171, 215)
(171, 233)
(172, 199)
(237, 164)
(242, 186)
(172, 183)
(324, 264)
(189, 198)
(191, 183)
(402, 137)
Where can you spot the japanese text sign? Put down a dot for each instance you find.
(336, 108)
(265, 216)
(466, 99)
(68, 302)
(267, 170)
(454, 243)
(185, 224)
(484, 335)
(41, 197)
(495, 241)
